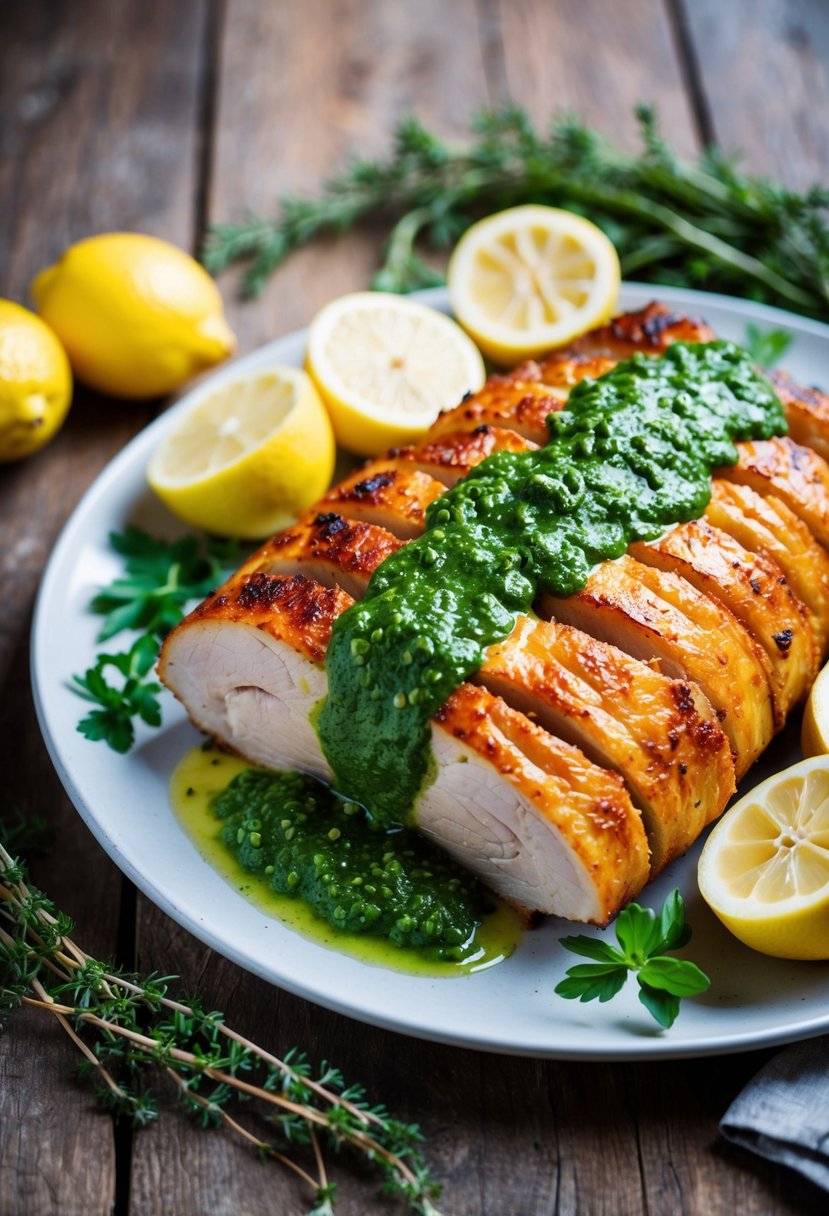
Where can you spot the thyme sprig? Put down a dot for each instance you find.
(128, 1028)
(702, 224)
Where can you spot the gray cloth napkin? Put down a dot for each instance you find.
(783, 1113)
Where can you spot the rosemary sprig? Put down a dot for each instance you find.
(703, 224)
(160, 579)
(128, 1028)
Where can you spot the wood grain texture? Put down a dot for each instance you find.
(99, 107)
(598, 60)
(763, 66)
(303, 86)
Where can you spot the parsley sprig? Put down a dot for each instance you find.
(161, 578)
(702, 224)
(132, 1032)
(766, 346)
(645, 939)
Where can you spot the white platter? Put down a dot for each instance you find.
(753, 1001)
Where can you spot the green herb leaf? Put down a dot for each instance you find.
(593, 981)
(678, 976)
(161, 579)
(766, 347)
(644, 937)
(661, 1005)
(593, 947)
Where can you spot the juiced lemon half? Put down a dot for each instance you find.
(528, 279)
(765, 867)
(249, 456)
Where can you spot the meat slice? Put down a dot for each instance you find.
(520, 405)
(249, 665)
(766, 526)
(531, 815)
(659, 734)
(754, 590)
(807, 412)
(661, 619)
(541, 824)
(794, 474)
(450, 457)
(329, 549)
(393, 498)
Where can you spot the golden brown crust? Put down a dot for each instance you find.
(625, 716)
(291, 608)
(794, 474)
(754, 589)
(660, 618)
(450, 457)
(587, 804)
(807, 412)
(768, 527)
(520, 405)
(391, 498)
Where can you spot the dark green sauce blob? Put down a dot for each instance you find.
(311, 845)
(631, 454)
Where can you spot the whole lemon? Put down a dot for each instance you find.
(35, 382)
(138, 317)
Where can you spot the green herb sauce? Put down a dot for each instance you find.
(201, 778)
(358, 878)
(631, 454)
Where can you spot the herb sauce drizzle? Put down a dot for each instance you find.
(631, 454)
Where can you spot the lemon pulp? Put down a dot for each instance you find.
(386, 366)
(765, 867)
(531, 278)
(248, 456)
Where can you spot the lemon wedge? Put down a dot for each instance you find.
(765, 867)
(386, 366)
(35, 382)
(528, 279)
(248, 456)
(138, 316)
(814, 737)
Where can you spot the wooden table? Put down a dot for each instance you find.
(162, 117)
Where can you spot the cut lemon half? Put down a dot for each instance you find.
(765, 867)
(814, 737)
(531, 278)
(386, 366)
(248, 456)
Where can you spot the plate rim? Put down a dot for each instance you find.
(137, 449)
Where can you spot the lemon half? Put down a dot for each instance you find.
(386, 366)
(248, 456)
(35, 382)
(528, 279)
(138, 316)
(764, 869)
(814, 738)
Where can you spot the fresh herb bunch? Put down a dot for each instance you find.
(161, 578)
(644, 942)
(128, 1029)
(702, 224)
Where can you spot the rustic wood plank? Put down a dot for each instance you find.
(763, 67)
(99, 106)
(598, 60)
(303, 86)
